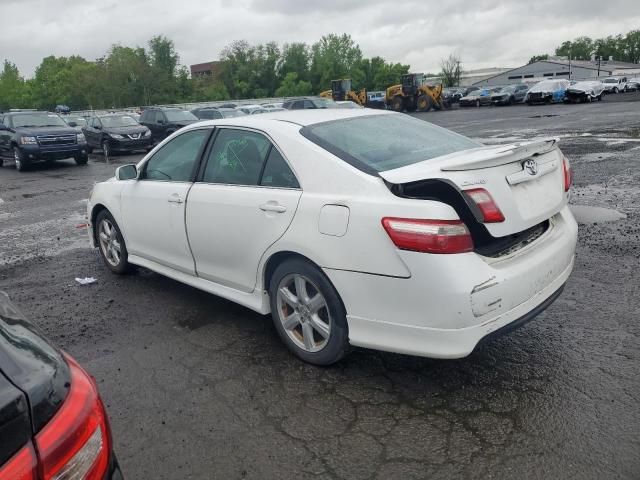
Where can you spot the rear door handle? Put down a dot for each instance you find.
(273, 207)
(175, 198)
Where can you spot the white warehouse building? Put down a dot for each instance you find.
(561, 67)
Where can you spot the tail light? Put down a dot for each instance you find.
(429, 236)
(76, 443)
(567, 174)
(22, 466)
(490, 211)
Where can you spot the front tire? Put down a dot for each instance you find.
(308, 313)
(397, 103)
(615, 90)
(111, 244)
(81, 159)
(20, 162)
(424, 103)
(106, 150)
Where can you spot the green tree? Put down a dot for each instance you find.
(538, 58)
(291, 86)
(333, 57)
(295, 58)
(579, 49)
(13, 89)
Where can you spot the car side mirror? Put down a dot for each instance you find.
(127, 172)
(72, 124)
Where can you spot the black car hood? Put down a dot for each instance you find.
(32, 364)
(125, 130)
(34, 131)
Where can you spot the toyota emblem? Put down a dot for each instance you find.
(531, 167)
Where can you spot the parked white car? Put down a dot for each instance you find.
(615, 84)
(351, 227)
(586, 91)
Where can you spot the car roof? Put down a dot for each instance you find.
(299, 117)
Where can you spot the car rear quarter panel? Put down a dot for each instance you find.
(328, 180)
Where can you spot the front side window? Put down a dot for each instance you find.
(176, 160)
(236, 158)
(375, 143)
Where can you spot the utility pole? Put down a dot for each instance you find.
(599, 60)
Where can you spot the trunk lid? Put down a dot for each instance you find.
(526, 180)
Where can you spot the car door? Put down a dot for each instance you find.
(153, 206)
(244, 200)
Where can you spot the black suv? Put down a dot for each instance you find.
(118, 133)
(29, 137)
(53, 423)
(163, 121)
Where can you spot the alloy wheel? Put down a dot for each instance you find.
(303, 313)
(17, 159)
(109, 243)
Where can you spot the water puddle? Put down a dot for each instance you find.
(587, 214)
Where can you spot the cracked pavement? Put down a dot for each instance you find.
(197, 387)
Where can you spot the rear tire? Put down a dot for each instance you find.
(308, 313)
(111, 244)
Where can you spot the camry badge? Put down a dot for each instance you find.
(531, 167)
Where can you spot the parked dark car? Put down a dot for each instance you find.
(53, 423)
(510, 94)
(163, 121)
(476, 98)
(213, 113)
(117, 133)
(30, 137)
(308, 103)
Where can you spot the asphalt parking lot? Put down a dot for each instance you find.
(197, 387)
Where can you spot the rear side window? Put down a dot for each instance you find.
(277, 173)
(377, 143)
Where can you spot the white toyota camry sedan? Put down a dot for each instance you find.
(351, 227)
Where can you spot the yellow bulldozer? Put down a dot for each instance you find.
(341, 91)
(413, 93)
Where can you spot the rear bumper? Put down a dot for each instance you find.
(451, 302)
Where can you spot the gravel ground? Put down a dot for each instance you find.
(197, 387)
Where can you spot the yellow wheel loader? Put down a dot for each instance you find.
(341, 91)
(413, 93)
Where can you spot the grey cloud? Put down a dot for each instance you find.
(484, 32)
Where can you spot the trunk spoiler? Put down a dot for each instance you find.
(500, 156)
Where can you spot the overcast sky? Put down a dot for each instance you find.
(485, 33)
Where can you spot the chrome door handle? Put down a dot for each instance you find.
(273, 207)
(175, 198)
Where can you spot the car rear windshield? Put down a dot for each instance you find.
(38, 120)
(179, 115)
(375, 143)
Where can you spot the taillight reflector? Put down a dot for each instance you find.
(567, 174)
(76, 441)
(428, 236)
(22, 466)
(490, 211)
